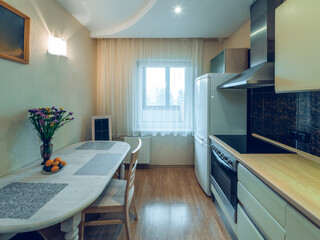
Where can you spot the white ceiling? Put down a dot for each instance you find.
(156, 18)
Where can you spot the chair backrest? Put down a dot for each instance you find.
(132, 174)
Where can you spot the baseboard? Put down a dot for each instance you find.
(139, 166)
(171, 166)
(148, 166)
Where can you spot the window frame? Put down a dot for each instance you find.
(167, 105)
(167, 64)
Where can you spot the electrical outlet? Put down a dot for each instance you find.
(300, 136)
(303, 137)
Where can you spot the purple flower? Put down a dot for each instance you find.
(38, 113)
(53, 108)
(71, 119)
(41, 122)
(55, 121)
(70, 113)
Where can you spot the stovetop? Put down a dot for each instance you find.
(248, 144)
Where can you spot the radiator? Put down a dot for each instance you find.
(144, 155)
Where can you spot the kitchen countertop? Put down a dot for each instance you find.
(295, 177)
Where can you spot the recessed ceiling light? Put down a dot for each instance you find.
(177, 10)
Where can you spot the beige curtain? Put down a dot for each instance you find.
(117, 66)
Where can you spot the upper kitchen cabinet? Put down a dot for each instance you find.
(230, 60)
(297, 47)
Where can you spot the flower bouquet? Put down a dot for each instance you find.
(47, 121)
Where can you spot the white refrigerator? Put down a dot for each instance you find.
(218, 112)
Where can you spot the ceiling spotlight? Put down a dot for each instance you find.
(177, 10)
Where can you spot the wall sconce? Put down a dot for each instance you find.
(57, 46)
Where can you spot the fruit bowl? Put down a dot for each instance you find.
(49, 172)
(53, 166)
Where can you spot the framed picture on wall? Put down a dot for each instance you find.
(15, 34)
(101, 128)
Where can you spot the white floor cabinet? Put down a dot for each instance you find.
(263, 214)
(298, 227)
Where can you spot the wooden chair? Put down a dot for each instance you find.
(117, 197)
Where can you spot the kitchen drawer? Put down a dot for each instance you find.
(298, 227)
(272, 202)
(245, 228)
(267, 224)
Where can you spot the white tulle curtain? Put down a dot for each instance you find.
(147, 84)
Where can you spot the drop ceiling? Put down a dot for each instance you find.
(156, 18)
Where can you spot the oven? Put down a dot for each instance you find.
(224, 179)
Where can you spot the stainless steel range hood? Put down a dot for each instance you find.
(261, 71)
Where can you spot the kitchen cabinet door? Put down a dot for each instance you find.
(297, 48)
(230, 60)
(298, 227)
(245, 228)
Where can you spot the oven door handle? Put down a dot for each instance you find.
(223, 163)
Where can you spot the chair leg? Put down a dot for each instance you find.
(134, 207)
(81, 227)
(127, 223)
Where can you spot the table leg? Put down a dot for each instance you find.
(122, 170)
(70, 227)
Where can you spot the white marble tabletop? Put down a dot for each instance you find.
(79, 191)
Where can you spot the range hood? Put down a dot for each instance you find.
(262, 44)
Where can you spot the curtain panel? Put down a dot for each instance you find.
(147, 84)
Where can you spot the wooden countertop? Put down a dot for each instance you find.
(295, 177)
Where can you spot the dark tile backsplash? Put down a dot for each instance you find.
(275, 115)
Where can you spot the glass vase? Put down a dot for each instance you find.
(46, 150)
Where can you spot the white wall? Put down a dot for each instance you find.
(47, 81)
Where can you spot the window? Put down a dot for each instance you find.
(164, 97)
(163, 87)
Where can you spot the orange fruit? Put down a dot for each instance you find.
(54, 168)
(63, 163)
(49, 162)
(57, 159)
(55, 163)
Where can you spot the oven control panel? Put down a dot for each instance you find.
(224, 155)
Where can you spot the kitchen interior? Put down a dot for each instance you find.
(241, 161)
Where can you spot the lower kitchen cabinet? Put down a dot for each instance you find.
(245, 228)
(263, 214)
(265, 207)
(298, 227)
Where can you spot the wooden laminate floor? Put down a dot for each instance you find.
(171, 205)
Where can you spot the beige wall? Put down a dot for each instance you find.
(47, 81)
(211, 48)
(240, 39)
(172, 150)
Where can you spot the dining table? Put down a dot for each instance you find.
(32, 199)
